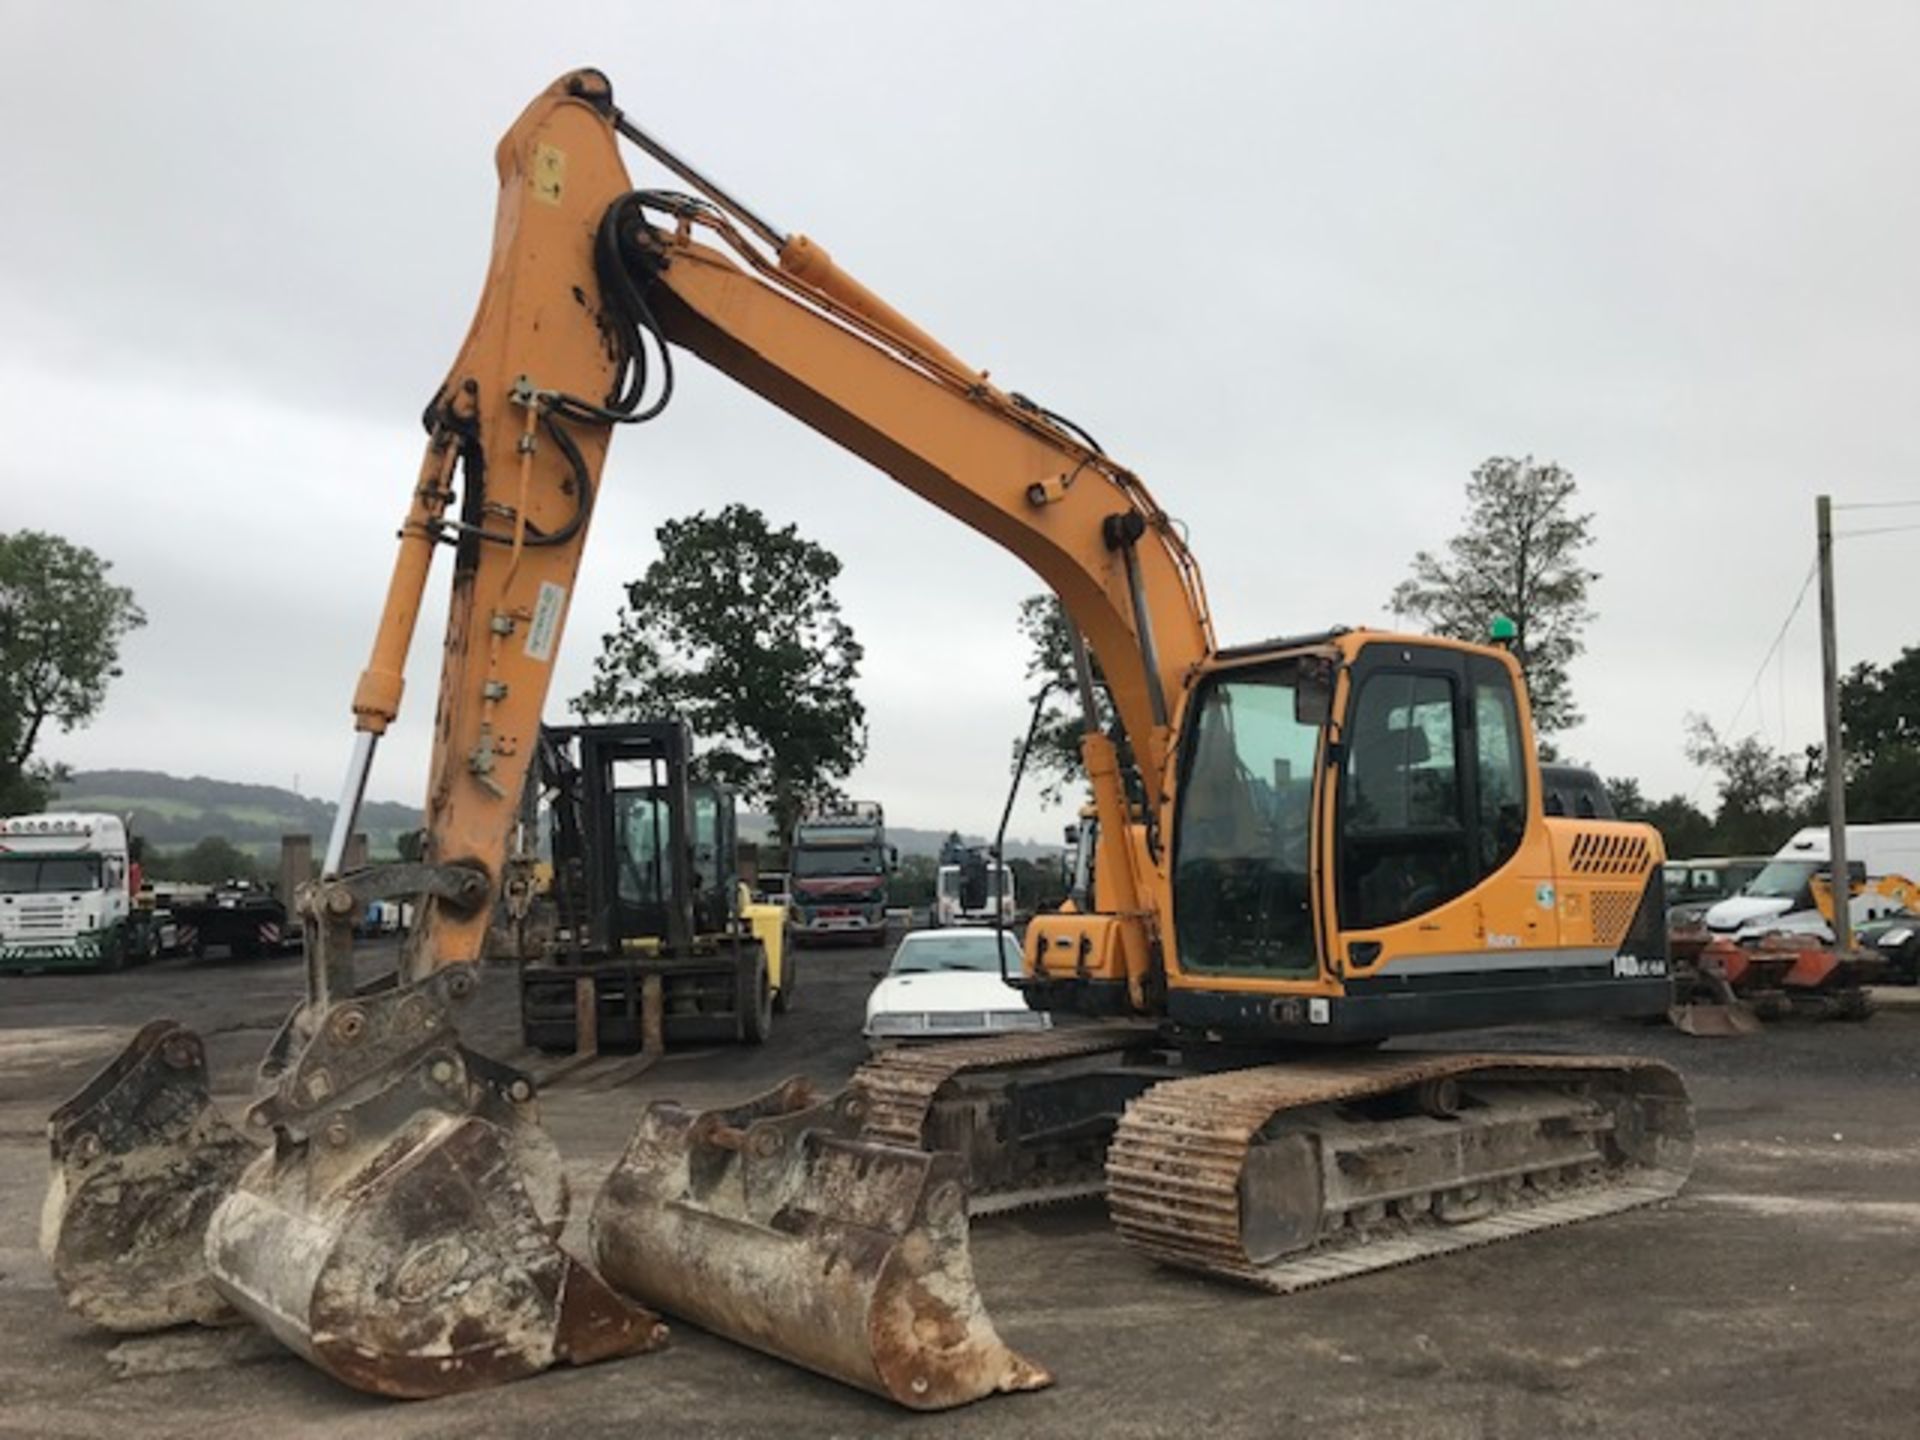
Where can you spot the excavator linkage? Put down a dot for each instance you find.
(776, 1225)
(402, 1231)
(422, 1268)
(141, 1157)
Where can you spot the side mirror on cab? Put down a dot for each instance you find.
(1312, 690)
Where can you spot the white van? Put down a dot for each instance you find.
(1780, 897)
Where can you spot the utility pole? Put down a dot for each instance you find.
(1840, 878)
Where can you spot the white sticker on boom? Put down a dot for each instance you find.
(545, 628)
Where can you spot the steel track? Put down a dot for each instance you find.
(1175, 1165)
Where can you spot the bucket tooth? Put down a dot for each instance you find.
(140, 1159)
(775, 1225)
(422, 1260)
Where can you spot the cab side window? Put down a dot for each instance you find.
(1404, 832)
(1500, 766)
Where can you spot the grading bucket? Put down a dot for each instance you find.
(776, 1225)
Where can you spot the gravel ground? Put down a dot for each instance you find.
(1776, 1297)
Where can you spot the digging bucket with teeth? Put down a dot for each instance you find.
(399, 1225)
(408, 1245)
(776, 1225)
(401, 1229)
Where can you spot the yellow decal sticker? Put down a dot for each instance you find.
(549, 172)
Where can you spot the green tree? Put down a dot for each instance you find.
(1764, 794)
(1880, 727)
(735, 629)
(1687, 831)
(1038, 884)
(61, 624)
(913, 881)
(1055, 758)
(1624, 792)
(1519, 555)
(211, 861)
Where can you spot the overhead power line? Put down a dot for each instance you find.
(1760, 671)
(1773, 649)
(1876, 530)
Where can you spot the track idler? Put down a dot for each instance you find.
(401, 1231)
(141, 1157)
(775, 1225)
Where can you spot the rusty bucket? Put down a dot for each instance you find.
(775, 1225)
(141, 1158)
(407, 1245)
(1705, 1003)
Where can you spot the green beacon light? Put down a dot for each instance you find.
(1502, 631)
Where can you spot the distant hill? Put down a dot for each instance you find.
(171, 811)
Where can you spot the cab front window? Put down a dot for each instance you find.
(1241, 891)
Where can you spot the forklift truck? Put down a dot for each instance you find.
(649, 920)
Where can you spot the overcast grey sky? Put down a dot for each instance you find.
(1301, 265)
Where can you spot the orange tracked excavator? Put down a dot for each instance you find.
(1308, 846)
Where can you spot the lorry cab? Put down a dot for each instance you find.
(66, 894)
(840, 864)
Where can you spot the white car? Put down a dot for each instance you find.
(945, 984)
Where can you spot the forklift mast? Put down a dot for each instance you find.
(637, 856)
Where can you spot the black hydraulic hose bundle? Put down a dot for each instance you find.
(632, 330)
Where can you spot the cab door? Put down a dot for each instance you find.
(1431, 802)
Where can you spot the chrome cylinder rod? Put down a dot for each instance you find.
(766, 231)
(1082, 672)
(348, 815)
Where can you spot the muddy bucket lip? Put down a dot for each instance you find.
(776, 1225)
(423, 1270)
(140, 1157)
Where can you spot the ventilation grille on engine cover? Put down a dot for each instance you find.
(1609, 854)
(1612, 913)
